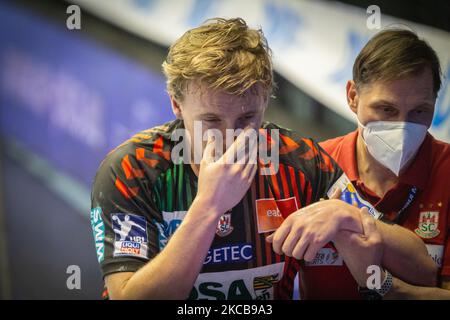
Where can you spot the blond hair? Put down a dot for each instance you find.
(225, 54)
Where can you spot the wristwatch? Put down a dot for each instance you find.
(377, 294)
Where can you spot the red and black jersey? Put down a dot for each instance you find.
(140, 197)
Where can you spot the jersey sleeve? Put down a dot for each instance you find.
(122, 214)
(327, 172)
(307, 156)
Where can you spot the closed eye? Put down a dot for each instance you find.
(248, 117)
(389, 110)
(422, 111)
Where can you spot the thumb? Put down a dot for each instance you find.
(208, 153)
(367, 221)
(270, 238)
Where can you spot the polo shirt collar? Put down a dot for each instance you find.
(349, 155)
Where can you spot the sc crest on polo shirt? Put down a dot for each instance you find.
(130, 235)
(428, 224)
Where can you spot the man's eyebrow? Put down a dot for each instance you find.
(209, 115)
(382, 102)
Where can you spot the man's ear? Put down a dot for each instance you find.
(352, 96)
(176, 109)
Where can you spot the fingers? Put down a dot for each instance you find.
(208, 153)
(238, 147)
(252, 156)
(318, 238)
(290, 242)
(279, 237)
(314, 246)
(301, 247)
(251, 163)
(229, 155)
(252, 169)
(293, 242)
(368, 222)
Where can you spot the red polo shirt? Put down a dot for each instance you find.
(428, 215)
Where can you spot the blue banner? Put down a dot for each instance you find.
(68, 98)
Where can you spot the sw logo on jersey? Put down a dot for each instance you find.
(130, 235)
(428, 224)
(224, 227)
(98, 228)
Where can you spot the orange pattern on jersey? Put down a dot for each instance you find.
(158, 149)
(325, 161)
(126, 191)
(133, 173)
(130, 172)
(140, 156)
(289, 145)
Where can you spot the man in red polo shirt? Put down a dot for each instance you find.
(393, 162)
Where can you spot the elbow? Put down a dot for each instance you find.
(431, 275)
(428, 270)
(424, 274)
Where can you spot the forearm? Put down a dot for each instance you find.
(403, 290)
(172, 273)
(405, 255)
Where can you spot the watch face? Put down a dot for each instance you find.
(368, 294)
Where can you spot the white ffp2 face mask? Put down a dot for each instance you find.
(393, 143)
